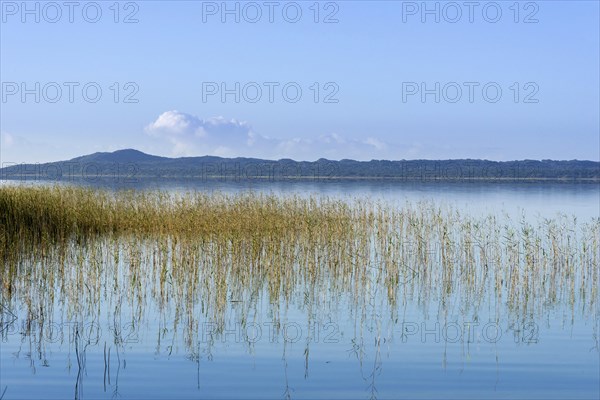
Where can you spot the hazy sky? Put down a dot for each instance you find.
(347, 79)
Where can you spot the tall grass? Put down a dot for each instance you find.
(212, 257)
(49, 215)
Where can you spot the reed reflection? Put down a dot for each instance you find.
(102, 272)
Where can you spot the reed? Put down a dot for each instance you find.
(215, 257)
(51, 215)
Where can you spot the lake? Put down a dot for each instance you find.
(460, 290)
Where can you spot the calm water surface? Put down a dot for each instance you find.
(99, 326)
(535, 198)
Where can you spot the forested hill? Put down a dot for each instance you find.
(133, 164)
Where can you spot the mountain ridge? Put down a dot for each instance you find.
(137, 164)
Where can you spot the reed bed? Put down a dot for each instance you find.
(60, 213)
(212, 257)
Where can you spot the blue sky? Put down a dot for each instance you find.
(369, 67)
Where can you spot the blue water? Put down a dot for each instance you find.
(327, 346)
(533, 198)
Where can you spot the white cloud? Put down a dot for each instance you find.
(192, 136)
(17, 149)
(378, 144)
(7, 140)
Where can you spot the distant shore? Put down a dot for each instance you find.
(131, 164)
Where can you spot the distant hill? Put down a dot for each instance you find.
(132, 164)
(121, 156)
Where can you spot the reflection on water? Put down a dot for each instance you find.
(403, 298)
(482, 198)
